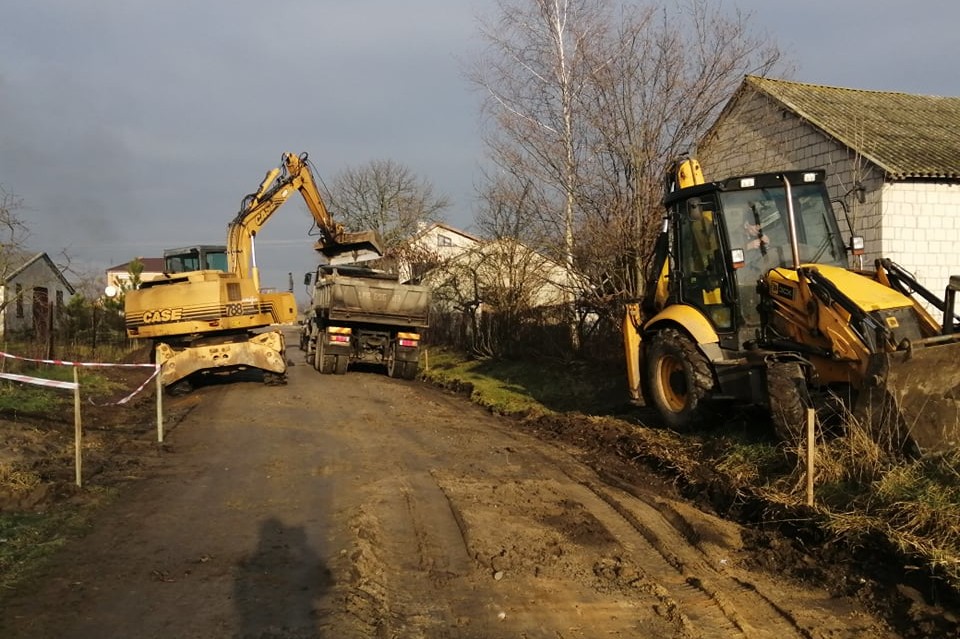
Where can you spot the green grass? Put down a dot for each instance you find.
(522, 386)
(28, 539)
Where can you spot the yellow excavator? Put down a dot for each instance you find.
(206, 314)
(750, 300)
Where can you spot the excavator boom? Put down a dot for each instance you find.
(278, 185)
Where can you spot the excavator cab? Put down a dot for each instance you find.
(195, 258)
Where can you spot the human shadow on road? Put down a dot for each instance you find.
(277, 588)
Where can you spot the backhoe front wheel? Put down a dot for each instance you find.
(789, 401)
(679, 379)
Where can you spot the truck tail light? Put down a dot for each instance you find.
(338, 335)
(408, 340)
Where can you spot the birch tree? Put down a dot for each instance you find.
(587, 102)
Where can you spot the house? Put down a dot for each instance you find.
(501, 274)
(31, 288)
(119, 275)
(892, 162)
(433, 244)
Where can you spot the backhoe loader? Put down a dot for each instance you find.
(750, 300)
(210, 321)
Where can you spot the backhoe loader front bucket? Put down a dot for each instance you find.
(360, 246)
(917, 405)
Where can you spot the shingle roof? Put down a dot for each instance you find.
(906, 135)
(53, 268)
(150, 265)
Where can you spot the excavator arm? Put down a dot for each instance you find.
(275, 189)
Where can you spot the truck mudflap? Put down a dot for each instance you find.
(916, 404)
(264, 351)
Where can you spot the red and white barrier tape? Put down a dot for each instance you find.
(62, 362)
(39, 381)
(126, 399)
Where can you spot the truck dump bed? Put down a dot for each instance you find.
(367, 296)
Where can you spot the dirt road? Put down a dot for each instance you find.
(361, 506)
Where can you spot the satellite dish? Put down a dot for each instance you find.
(111, 291)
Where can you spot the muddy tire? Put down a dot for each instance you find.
(340, 365)
(789, 401)
(679, 379)
(324, 363)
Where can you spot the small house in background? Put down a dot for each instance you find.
(892, 162)
(32, 294)
(119, 275)
(432, 245)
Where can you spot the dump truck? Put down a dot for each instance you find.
(360, 314)
(207, 315)
(751, 300)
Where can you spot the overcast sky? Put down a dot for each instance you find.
(129, 126)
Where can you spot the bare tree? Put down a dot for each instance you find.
(13, 237)
(387, 197)
(589, 101)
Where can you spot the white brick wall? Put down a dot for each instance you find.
(921, 233)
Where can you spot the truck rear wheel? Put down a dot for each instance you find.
(323, 362)
(340, 367)
(679, 379)
(398, 368)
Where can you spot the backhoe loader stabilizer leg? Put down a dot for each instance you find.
(264, 351)
(631, 345)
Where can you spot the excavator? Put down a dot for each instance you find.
(750, 301)
(207, 315)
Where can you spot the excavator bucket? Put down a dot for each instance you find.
(918, 405)
(360, 246)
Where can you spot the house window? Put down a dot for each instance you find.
(19, 300)
(59, 302)
(443, 240)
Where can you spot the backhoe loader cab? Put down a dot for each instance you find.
(726, 235)
(751, 299)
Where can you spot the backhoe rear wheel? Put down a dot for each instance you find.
(679, 379)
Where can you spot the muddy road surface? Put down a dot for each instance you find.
(362, 506)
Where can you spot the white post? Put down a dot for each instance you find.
(77, 430)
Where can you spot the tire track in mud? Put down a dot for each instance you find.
(408, 548)
(708, 594)
(710, 603)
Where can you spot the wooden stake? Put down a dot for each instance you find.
(159, 407)
(811, 419)
(77, 429)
